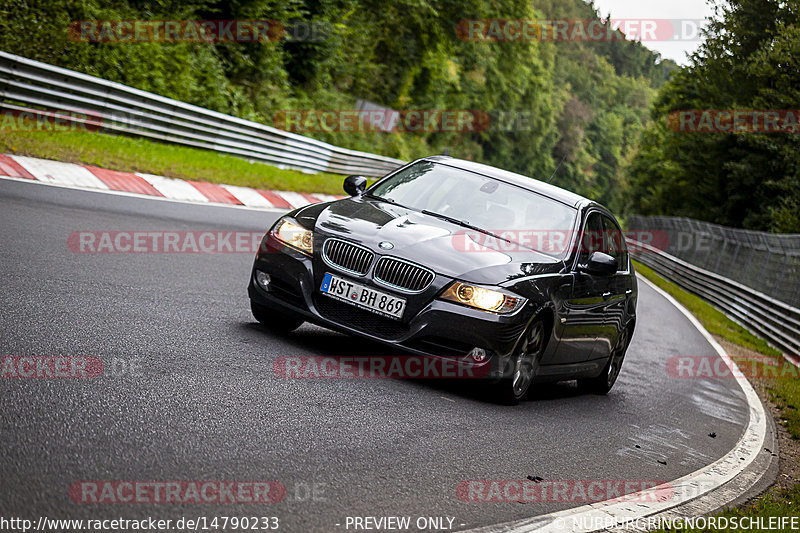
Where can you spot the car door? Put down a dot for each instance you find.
(582, 314)
(619, 289)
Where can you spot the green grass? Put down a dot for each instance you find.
(784, 503)
(783, 391)
(141, 155)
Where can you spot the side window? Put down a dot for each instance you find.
(592, 237)
(615, 243)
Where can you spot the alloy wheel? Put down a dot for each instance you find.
(615, 365)
(525, 362)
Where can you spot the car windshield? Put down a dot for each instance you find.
(510, 212)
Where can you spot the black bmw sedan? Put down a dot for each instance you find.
(452, 259)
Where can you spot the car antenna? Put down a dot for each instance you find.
(556, 170)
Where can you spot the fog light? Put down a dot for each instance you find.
(263, 279)
(478, 355)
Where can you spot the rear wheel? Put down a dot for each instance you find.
(605, 381)
(273, 320)
(525, 360)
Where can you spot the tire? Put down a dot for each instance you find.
(274, 321)
(511, 390)
(603, 383)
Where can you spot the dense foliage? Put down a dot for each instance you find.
(750, 60)
(583, 102)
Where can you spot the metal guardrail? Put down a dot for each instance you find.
(773, 320)
(35, 87)
(766, 262)
(31, 86)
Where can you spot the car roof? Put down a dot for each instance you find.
(532, 184)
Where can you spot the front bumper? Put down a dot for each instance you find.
(430, 327)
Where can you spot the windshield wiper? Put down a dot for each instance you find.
(462, 223)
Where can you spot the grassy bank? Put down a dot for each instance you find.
(784, 503)
(141, 155)
(779, 381)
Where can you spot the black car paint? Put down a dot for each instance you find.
(584, 313)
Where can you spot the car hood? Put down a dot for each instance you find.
(442, 246)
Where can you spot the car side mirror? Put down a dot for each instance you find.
(355, 185)
(599, 264)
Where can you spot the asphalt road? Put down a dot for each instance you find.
(189, 393)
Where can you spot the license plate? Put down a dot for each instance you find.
(362, 296)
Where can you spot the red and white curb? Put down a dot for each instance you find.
(101, 179)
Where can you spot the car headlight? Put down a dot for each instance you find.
(295, 236)
(482, 298)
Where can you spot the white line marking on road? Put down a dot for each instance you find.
(692, 486)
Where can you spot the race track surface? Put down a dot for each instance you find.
(202, 402)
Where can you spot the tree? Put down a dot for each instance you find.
(749, 61)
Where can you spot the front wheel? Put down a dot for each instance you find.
(525, 359)
(605, 381)
(274, 321)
